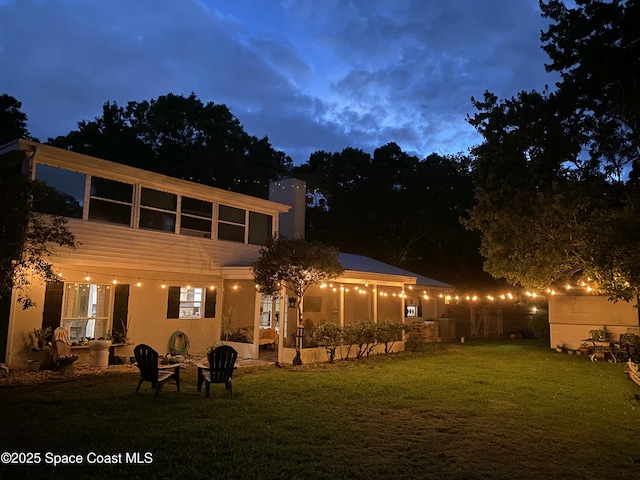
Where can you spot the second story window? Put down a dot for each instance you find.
(231, 223)
(158, 210)
(110, 201)
(62, 191)
(259, 228)
(195, 217)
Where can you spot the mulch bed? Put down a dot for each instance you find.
(25, 377)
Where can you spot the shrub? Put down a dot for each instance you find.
(388, 333)
(329, 336)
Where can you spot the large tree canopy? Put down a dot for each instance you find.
(396, 208)
(184, 138)
(554, 203)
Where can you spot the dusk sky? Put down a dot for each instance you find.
(310, 74)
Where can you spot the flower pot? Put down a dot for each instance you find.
(99, 353)
(33, 365)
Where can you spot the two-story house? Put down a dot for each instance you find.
(158, 256)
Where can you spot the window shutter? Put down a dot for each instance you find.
(121, 308)
(173, 303)
(52, 310)
(210, 303)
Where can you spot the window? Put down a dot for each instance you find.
(63, 193)
(85, 310)
(110, 201)
(195, 217)
(259, 228)
(189, 302)
(231, 223)
(158, 210)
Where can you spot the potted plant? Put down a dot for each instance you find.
(41, 335)
(584, 349)
(561, 347)
(601, 335)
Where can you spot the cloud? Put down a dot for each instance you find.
(309, 75)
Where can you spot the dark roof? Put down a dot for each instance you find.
(361, 263)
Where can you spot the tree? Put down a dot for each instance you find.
(13, 122)
(27, 238)
(407, 209)
(181, 137)
(294, 264)
(551, 195)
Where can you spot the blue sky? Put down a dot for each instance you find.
(309, 74)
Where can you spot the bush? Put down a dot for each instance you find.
(329, 336)
(540, 325)
(388, 333)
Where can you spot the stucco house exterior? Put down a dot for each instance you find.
(159, 256)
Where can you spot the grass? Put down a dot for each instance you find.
(490, 410)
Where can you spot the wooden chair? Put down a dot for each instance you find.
(147, 362)
(220, 369)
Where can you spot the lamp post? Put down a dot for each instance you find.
(299, 336)
(299, 331)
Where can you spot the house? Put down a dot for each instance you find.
(167, 262)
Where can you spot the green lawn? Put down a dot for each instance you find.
(474, 410)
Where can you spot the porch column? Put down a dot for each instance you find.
(375, 303)
(256, 325)
(281, 321)
(341, 307)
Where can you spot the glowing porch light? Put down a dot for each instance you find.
(139, 284)
(87, 278)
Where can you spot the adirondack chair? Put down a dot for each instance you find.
(147, 362)
(220, 369)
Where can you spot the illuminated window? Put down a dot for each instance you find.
(85, 310)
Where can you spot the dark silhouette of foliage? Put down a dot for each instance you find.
(184, 138)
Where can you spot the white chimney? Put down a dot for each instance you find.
(290, 191)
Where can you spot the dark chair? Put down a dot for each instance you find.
(220, 369)
(147, 361)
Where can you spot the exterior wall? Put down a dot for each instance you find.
(571, 317)
(147, 313)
